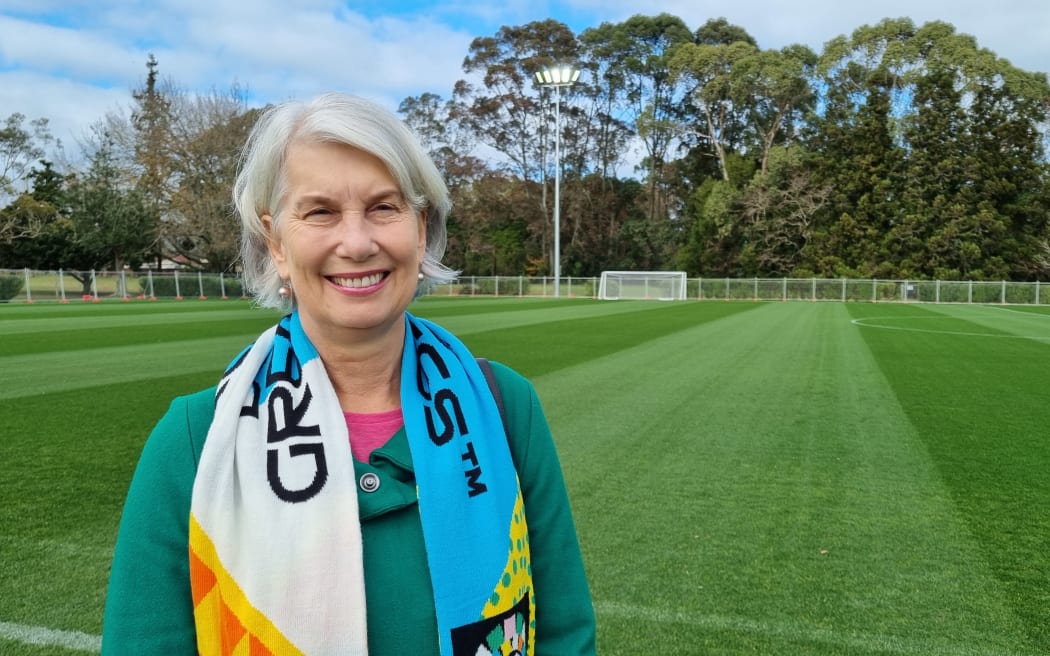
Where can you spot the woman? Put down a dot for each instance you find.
(348, 487)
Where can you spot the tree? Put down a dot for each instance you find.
(151, 119)
(635, 55)
(20, 147)
(777, 210)
(505, 112)
(207, 132)
(35, 225)
(111, 221)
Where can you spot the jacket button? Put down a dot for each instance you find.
(369, 482)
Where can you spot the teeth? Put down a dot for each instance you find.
(357, 283)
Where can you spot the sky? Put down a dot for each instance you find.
(72, 61)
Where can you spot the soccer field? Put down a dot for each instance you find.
(747, 478)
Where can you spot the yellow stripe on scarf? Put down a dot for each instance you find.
(227, 623)
(515, 583)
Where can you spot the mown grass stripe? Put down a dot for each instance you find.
(537, 349)
(123, 322)
(45, 373)
(763, 468)
(979, 405)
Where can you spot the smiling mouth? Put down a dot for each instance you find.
(359, 282)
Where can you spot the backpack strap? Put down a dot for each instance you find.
(490, 378)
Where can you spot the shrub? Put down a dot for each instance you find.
(10, 286)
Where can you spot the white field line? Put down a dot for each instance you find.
(862, 643)
(1033, 315)
(866, 322)
(40, 635)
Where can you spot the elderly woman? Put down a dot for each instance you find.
(352, 485)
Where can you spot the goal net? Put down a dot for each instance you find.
(660, 285)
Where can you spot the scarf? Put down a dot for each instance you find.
(275, 538)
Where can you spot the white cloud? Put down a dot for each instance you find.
(40, 47)
(71, 107)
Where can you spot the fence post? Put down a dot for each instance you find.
(94, 286)
(969, 291)
(178, 292)
(843, 290)
(62, 287)
(1002, 294)
(784, 289)
(874, 290)
(29, 289)
(123, 286)
(813, 289)
(937, 291)
(222, 285)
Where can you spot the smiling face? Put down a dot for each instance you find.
(348, 241)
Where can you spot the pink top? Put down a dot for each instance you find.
(371, 430)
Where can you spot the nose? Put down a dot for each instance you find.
(356, 237)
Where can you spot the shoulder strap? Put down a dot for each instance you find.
(490, 378)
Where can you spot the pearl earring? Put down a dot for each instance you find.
(421, 276)
(284, 291)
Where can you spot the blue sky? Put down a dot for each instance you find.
(72, 61)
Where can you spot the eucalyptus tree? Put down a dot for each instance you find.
(633, 58)
(21, 147)
(502, 107)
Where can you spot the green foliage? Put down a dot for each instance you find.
(10, 286)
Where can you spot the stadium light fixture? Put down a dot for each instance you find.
(557, 77)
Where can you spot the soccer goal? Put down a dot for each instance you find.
(661, 285)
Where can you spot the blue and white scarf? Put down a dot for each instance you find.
(275, 537)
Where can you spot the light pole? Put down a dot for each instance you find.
(557, 77)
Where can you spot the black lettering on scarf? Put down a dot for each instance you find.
(444, 403)
(287, 421)
(474, 486)
(320, 472)
(292, 425)
(251, 409)
(443, 400)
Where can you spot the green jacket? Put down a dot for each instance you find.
(148, 605)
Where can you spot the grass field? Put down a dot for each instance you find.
(747, 478)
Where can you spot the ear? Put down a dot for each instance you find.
(273, 242)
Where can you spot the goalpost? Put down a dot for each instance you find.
(661, 285)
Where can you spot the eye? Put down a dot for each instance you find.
(385, 210)
(317, 213)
